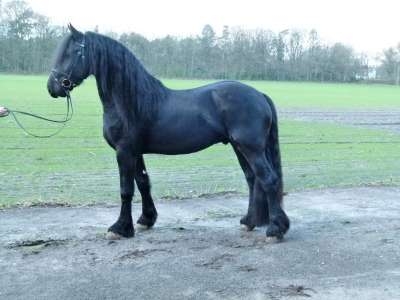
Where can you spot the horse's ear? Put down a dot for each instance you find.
(76, 34)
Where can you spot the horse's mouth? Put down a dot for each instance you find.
(53, 95)
(61, 93)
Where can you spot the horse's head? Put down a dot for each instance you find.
(71, 66)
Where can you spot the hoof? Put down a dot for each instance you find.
(147, 221)
(124, 229)
(111, 236)
(278, 226)
(245, 227)
(246, 224)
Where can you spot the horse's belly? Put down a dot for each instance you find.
(186, 141)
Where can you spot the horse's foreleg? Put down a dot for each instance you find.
(126, 163)
(149, 212)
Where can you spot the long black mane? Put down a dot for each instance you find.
(121, 77)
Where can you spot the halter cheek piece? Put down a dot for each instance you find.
(64, 79)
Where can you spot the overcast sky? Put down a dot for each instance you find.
(368, 26)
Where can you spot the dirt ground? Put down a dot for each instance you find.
(343, 244)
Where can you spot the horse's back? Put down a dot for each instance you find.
(227, 96)
(228, 89)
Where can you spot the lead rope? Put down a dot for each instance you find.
(68, 117)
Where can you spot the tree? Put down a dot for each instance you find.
(207, 53)
(340, 61)
(188, 49)
(136, 43)
(312, 57)
(295, 54)
(19, 18)
(391, 64)
(224, 45)
(239, 53)
(3, 31)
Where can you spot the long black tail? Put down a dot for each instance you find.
(273, 152)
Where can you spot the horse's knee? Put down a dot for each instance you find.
(250, 177)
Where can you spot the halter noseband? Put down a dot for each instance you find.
(65, 79)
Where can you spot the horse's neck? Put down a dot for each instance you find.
(121, 98)
(106, 98)
(104, 95)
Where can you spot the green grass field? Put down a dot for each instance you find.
(77, 167)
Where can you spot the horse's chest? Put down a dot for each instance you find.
(112, 130)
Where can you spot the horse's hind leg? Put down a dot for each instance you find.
(149, 212)
(269, 182)
(254, 190)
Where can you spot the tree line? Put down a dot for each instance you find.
(28, 40)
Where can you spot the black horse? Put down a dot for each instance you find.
(142, 116)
